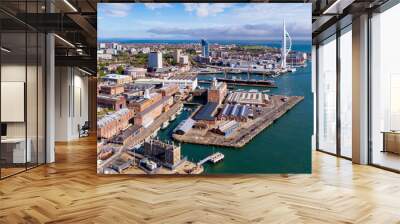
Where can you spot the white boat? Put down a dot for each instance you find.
(165, 125)
(155, 133)
(173, 117)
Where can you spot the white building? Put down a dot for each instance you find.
(117, 79)
(136, 73)
(102, 45)
(104, 56)
(145, 50)
(183, 81)
(184, 59)
(111, 51)
(155, 60)
(133, 51)
(177, 55)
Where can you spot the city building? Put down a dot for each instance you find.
(104, 56)
(111, 89)
(147, 116)
(155, 60)
(205, 51)
(235, 112)
(226, 128)
(185, 82)
(184, 126)
(112, 124)
(140, 103)
(135, 73)
(110, 102)
(217, 91)
(117, 79)
(127, 135)
(120, 164)
(177, 55)
(184, 60)
(248, 97)
(168, 90)
(207, 113)
(167, 154)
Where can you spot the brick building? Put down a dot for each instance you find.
(111, 102)
(168, 90)
(111, 89)
(168, 154)
(110, 125)
(217, 92)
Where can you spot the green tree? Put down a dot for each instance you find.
(120, 70)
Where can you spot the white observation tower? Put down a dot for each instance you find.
(286, 45)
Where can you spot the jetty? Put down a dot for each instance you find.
(214, 158)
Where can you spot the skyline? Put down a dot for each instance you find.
(217, 21)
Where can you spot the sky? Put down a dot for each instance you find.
(212, 21)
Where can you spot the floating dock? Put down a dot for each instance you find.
(214, 158)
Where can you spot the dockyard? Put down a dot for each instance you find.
(247, 130)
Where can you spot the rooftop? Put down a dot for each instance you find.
(111, 117)
(115, 76)
(183, 77)
(206, 112)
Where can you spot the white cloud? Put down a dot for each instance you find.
(274, 13)
(206, 9)
(116, 9)
(153, 6)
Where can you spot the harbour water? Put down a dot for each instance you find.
(283, 147)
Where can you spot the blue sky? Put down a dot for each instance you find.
(190, 21)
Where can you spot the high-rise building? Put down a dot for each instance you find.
(155, 59)
(205, 51)
(177, 55)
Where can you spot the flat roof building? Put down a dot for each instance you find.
(117, 78)
(248, 97)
